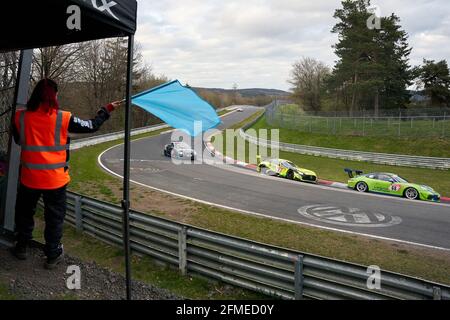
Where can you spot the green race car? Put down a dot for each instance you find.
(286, 169)
(388, 183)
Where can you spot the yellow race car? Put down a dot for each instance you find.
(286, 169)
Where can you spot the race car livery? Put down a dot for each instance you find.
(389, 183)
(179, 150)
(286, 169)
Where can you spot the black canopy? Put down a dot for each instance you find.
(43, 23)
(28, 24)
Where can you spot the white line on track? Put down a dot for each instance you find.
(261, 214)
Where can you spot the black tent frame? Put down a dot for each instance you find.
(101, 23)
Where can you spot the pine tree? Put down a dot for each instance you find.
(372, 64)
(435, 77)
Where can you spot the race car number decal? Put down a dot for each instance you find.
(395, 187)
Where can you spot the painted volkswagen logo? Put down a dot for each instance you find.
(351, 217)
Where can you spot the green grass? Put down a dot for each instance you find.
(5, 294)
(223, 112)
(248, 120)
(420, 146)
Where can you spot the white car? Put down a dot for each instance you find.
(179, 150)
(240, 110)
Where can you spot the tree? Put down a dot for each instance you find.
(8, 69)
(308, 77)
(435, 78)
(372, 63)
(59, 63)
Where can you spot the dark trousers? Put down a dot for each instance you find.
(54, 213)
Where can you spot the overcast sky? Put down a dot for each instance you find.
(215, 43)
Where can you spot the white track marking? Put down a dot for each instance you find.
(261, 214)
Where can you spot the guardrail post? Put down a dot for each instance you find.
(437, 294)
(299, 278)
(182, 250)
(78, 214)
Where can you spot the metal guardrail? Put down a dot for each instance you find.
(270, 270)
(81, 143)
(379, 158)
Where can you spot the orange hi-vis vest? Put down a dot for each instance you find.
(43, 138)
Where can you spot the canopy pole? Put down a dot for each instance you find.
(126, 170)
(7, 207)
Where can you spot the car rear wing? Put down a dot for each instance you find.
(353, 173)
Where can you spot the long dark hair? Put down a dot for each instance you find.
(44, 95)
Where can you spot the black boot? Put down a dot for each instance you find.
(53, 261)
(20, 250)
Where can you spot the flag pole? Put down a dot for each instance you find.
(126, 170)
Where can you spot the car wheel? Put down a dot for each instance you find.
(411, 194)
(362, 187)
(290, 175)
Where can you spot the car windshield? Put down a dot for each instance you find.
(400, 179)
(182, 145)
(288, 165)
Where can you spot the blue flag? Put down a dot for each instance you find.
(178, 106)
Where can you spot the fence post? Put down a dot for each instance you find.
(399, 124)
(443, 124)
(437, 294)
(299, 278)
(182, 250)
(78, 214)
(364, 123)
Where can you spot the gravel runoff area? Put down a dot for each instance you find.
(29, 280)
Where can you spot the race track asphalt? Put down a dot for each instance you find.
(384, 217)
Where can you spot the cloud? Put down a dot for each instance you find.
(253, 43)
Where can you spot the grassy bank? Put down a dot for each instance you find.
(431, 147)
